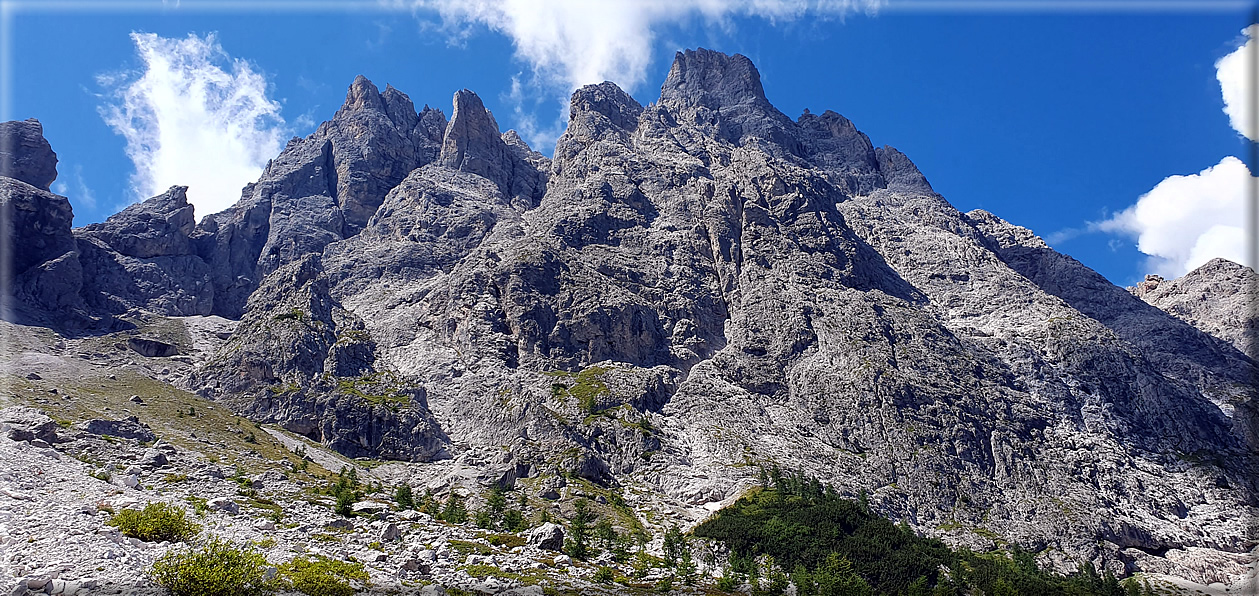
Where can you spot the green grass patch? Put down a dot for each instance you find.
(465, 547)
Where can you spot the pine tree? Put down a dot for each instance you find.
(579, 531)
(402, 496)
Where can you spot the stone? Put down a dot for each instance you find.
(153, 458)
(563, 560)
(548, 536)
(224, 504)
(390, 532)
(152, 348)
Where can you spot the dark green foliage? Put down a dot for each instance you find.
(839, 546)
(514, 521)
(346, 491)
(455, 511)
(157, 522)
(604, 575)
(577, 544)
(491, 517)
(402, 496)
(674, 544)
(218, 568)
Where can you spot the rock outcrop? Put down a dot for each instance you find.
(1219, 298)
(26, 155)
(144, 256)
(320, 189)
(43, 270)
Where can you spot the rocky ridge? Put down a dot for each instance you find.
(687, 290)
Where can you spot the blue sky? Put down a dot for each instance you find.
(1051, 119)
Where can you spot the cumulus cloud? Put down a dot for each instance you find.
(1236, 73)
(578, 42)
(194, 116)
(1186, 221)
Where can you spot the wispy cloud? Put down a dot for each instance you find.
(75, 188)
(1236, 73)
(578, 42)
(1186, 221)
(195, 116)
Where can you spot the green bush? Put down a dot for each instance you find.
(604, 575)
(157, 522)
(218, 568)
(321, 576)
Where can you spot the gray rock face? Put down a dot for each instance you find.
(321, 189)
(299, 359)
(1219, 298)
(1170, 346)
(144, 256)
(26, 155)
(44, 261)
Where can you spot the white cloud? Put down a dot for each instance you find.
(193, 116)
(76, 189)
(1236, 73)
(570, 43)
(1186, 221)
(578, 42)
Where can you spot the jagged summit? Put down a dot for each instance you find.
(712, 79)
(687, 291)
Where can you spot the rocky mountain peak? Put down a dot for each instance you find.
(607, 100)
(1217, 297)
(900, 171)
(399, 108)
(712, 79)
(26, 155)
(362, 95)
(472, 142)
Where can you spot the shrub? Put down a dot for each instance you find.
(218, 568)
(321, 576)
(157, 522)
(506, 540)
(345, 503)
(604, 575)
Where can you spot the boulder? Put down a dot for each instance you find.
(126, 428)
(21, 423)
(548, 536)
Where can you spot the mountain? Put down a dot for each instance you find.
(687, 292)
(1217, 298)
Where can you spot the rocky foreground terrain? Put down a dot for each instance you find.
(687, 292)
